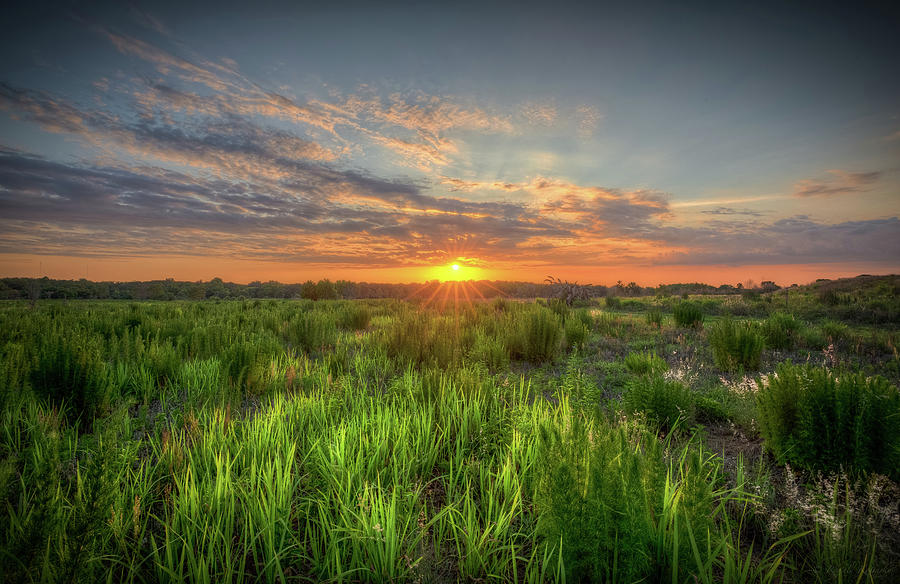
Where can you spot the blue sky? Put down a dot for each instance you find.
(645, 142)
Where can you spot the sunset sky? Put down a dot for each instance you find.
(289, 141)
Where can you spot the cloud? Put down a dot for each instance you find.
(539, 114)
(589, 117)
(840, 183)
(733, 211)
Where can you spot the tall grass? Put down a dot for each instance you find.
(264, 441)
(736, 345)
(818, 421)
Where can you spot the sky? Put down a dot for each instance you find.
(385, 142)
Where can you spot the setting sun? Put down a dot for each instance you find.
(455, 267)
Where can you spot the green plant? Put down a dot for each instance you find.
(687, 314)
(835, 331)
(645, 363)
(542, 335)
(818, 421)
(654, 317)
(662, 400)
(575, 332)
(736, 345)
(355, 316)
(72, 371)
(591, 504)
(780, 331)
(311, 331)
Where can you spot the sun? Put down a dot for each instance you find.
(455, 267)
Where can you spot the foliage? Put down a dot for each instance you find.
(645, 363)
(736, 345)
(590, 501)
(780, 331)
(311, 331)
(541, 335)
(687, 314)
(663, 401)
(813, 419)
(654, 317)
(70, 371)
(575, 332)
(568, 292)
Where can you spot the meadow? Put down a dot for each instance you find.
(738, 438)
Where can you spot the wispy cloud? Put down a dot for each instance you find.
(589, 117)
(839, 183)
(539, 114)
(733, 211)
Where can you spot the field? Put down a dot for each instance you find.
(739, 438)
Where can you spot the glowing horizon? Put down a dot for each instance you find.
(141, 142)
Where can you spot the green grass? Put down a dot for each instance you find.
(380, 441)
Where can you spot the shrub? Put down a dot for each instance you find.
(810, 418)
(654, 317)
(559, 307)
(591, 497)
(542, 335)
(735, 345)
(490, 351)
(662, 400)
(71, 370)
(835, 331)
(613, 302)
(576, 332)
(813, 338)
(687, 314)
(780, 331)
(645, 363)
(311, 331)
(355, 316)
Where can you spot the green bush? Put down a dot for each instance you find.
(613, 302)
(541, 335)
(654, 317)
(818, 421)
(687, 314)
(576, 332)
(645, 363)
(662, 400)
(355, 316)
(812, 337)
(780, 331)
(71, 370)
(835, 331)
(589, 499)
(735, 345)
(490, 351)
(311, 331)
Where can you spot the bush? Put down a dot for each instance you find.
(687, 314)
(542, 335)
(735, 345)
(72, 370)
(813, 338)
(645, 363)
(591, 497)
(835, 331)
(663, 401)
(311, 331)
(780, 331)
(817, 421)
(489, 351)
(613, 302)
(576, 332)
(355, 316)
(654, 317)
